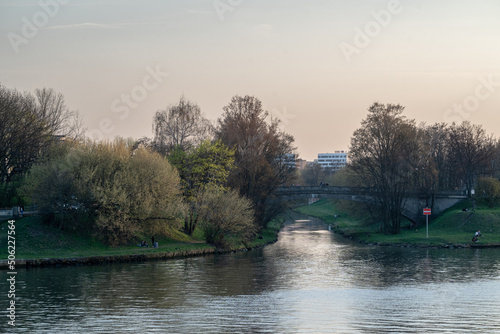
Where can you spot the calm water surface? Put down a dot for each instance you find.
(310, 281)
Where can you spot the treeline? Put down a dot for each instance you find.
(397, 157)
(192, 174)
(241, 156)
(29, 124)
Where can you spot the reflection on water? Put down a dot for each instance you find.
(310, 281)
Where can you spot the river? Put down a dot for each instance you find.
(310, 281)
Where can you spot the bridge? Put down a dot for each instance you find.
(412, 210)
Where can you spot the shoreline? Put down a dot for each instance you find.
(126, 258)
(411, 245)
(450, 230)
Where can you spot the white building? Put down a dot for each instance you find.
(289, 159)
(334, 161)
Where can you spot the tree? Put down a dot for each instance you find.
(30, 125)
(205, 166)
(106, 188)
(225, 215)
(433, 168)
(261, 152)
(472, 152)
(488, 190)
(313, 175)
(182, 125)
(383, 154)
(22, 133)
(53, 111)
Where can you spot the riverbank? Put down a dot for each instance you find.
(38, 245)
(453, 229)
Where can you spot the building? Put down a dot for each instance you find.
(300, 163)
(334, 161)
(289, 160)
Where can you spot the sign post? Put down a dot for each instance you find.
(427, 213)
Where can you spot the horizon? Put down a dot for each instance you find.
(317, 66)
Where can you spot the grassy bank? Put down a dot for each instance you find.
(35, 240)
(453, 227)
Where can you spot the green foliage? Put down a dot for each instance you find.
(107, 188)
(37, 240)
(225, 215)
(9, 196)
(453, 227)
(206, 166)
(488, 191)
(344, 177)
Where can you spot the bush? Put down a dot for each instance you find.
(225, 215)
(110, 188)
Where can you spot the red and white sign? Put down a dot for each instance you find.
(427, 211)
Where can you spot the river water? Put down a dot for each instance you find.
(310, 281)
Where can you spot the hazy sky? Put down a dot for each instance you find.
(316, 65)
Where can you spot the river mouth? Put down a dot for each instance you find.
(310, 281)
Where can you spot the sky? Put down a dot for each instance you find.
(317, 65)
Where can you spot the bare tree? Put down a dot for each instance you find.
(22, 133)
(29, 125)
(179, 125)
(383, 153)
(53, 111)
(472, 152)
(313, 174)
(261, 152)
(76, 128)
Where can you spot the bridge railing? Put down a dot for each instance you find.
(289, 190)
(325, 189)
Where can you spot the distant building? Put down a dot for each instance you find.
(300, 163)
(334, 161)
(289, 159)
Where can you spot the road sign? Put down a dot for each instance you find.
(427, 213)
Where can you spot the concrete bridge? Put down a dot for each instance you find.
(413, 209)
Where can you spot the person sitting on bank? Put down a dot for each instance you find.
(476, 235)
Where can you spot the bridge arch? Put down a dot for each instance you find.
(413, 209)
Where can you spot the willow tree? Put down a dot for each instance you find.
(107, 189)
(225, 216)
(382, 154)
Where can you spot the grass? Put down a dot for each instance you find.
(453, 227)
(34, 240)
